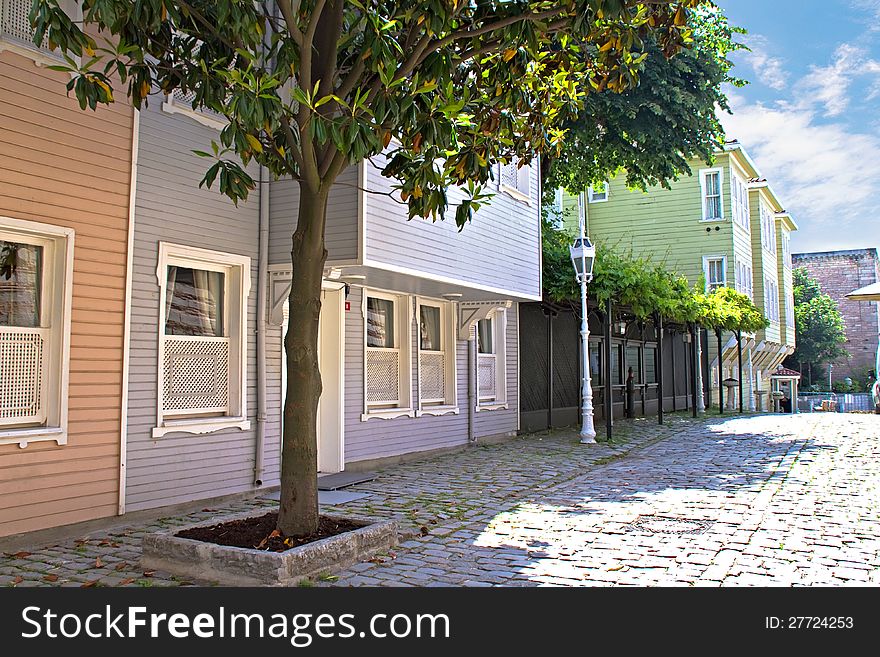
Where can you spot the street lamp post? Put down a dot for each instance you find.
(583, 255)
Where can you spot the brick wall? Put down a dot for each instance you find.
(839, 273)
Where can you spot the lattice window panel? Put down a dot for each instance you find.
(383, 376)
(196, 375)
(432, 377)
(486, 376)
(22, 375)
(514, 178)
(187, 98)
(15, 24)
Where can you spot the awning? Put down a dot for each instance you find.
(868, 293)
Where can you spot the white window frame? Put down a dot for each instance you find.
(449, 404)
(704, 173)
(174, 104)
(236, 288)
(596, 197)
(523, 190)
(57, 301)
(403, 337)
(41, 56)
(712, 258)
(739, 200)
(499, 346)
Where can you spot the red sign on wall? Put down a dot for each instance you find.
(347, 306)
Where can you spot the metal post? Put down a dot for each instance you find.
(739, 358)
(588, 431)
(674, 375)
(695, 371)
(609, 386)
(701, 401)
(658, 320)
(549, 370)
(720, 374)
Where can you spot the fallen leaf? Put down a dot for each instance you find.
(21, 555)
(275, 534)
(18, 580)
(122, 565)
(149, 573)
(615, 568)
(51, 578)
(127, 581)
(424, 530)
(104, 542)
(91, 584)
(98, 562)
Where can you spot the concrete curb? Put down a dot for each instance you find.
(234, 566)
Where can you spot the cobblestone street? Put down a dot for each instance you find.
(749, 500)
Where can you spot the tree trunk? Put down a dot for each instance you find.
(298, 513)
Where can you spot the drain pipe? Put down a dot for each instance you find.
(262, 303)
(472, 383)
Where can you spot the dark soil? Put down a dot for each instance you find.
(259, 533)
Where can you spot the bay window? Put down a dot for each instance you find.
(36, 274)
(491, 361)
(202, 340)
(436, 358)
(387, 355)
(17, 35)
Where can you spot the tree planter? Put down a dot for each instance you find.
(235, 566)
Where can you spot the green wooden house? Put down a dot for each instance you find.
(721, 226)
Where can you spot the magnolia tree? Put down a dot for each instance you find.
(447, 88)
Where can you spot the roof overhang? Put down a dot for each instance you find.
(868, 293)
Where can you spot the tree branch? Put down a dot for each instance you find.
(290, 19)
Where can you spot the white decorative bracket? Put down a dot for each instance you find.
(471, 312)
(279, 291)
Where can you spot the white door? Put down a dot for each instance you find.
(331, 346)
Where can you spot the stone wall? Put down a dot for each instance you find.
(839, 273)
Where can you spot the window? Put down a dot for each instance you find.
(387, 358)
(744, 279)
(515, 179)
(437, 389)
(36, 274)
(786, 250)
(739, 201)
(181, 102)
(771, 299)
(599, 193)
(768, 229)
(713, 204)
(202, 340)
(596, 371)
(16, 33)
(650, 364)
(616, 376)
(789, 310)
(633, 360)
(491, 363)
(715, 272)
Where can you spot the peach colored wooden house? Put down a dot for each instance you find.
(65, 183)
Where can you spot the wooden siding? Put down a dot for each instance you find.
(63, 166)
(764, 264)
(378, 438)
(500, 248)
(171, 207)
(342, 218)
(665, 224)
(786, 288)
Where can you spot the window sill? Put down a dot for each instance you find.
(201, 426)
(201, 117)
(492, 406)
(388, 414)
(438, 410)
(38, 56)
(23, 437)
(516, 194)
(717, 220)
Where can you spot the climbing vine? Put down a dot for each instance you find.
(644, 287)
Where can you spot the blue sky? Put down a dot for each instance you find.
(811, 116)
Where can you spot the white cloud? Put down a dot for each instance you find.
(826, 173)
(769, 70)
(829, 86)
